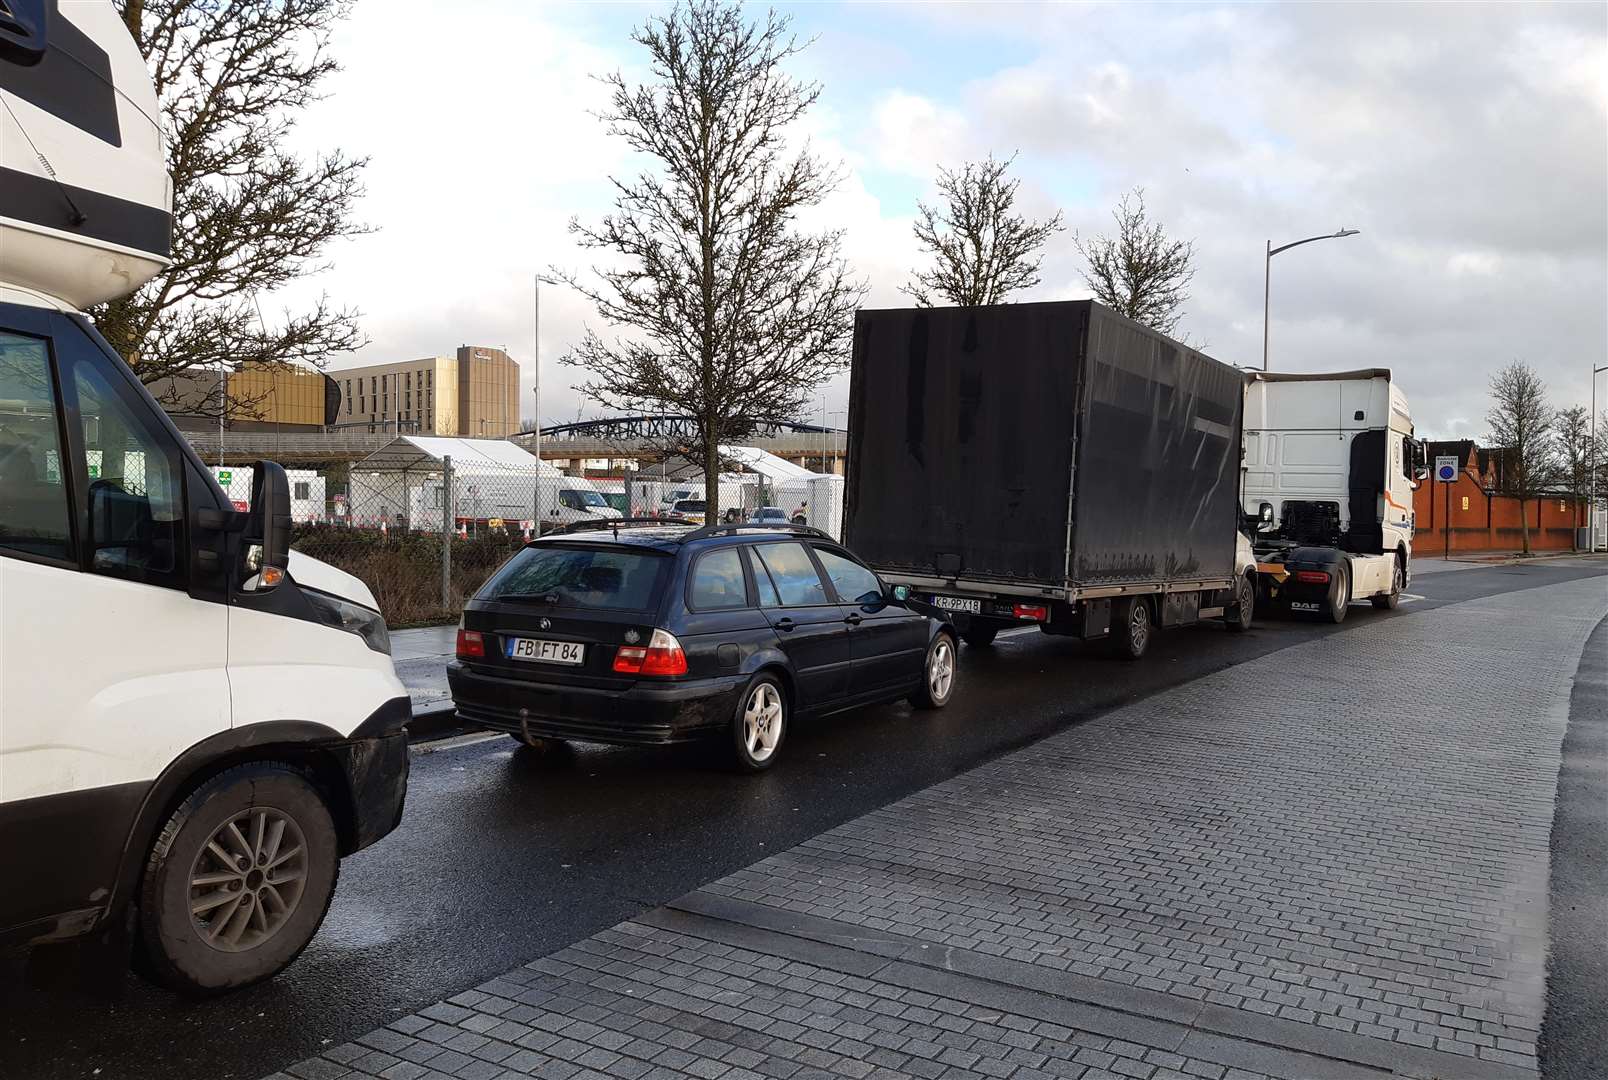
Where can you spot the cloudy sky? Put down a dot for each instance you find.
(1468, 143)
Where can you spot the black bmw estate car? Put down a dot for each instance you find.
(662, 634)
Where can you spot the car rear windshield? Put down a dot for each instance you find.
(581, 576)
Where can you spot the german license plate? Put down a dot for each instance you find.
(958, 603)
(1301, 605)
(545, 652)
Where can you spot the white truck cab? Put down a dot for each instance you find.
(195, 722)
(1329, 469)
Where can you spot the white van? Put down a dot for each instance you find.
(195, 722)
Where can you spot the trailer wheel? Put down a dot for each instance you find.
(1131, 627)
(1391, 600)
(1245, 601)
(1339, 595)
(979, 635)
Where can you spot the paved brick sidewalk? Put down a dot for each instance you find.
(1331, 861)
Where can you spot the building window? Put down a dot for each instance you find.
(361, 406)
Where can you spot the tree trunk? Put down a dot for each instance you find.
(711, 482)
(1524, 527)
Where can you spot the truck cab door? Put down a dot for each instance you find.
(112, 653)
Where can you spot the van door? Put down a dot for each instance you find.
(109, 668)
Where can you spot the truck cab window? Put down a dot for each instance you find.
(33, 491)
(136, 502)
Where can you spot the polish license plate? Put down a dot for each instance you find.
(546, 652)
(958, 603)
(1301, 605)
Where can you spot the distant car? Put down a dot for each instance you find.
(659, 635)
(769, 515)
(692, 510)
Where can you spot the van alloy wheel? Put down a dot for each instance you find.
(248, 879)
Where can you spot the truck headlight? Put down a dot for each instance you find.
(353, 618)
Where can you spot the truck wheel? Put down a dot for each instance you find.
(1391, 600)
(1339, 595)
(1131, 628)
(238, 880)
(1245, 600)
(979, 635)
(759, 725)
(937, 674)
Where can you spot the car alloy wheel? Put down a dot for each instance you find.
(941, 670)
(248, 879)
(762, 721)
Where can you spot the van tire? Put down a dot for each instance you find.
(1132, 628)
(1245, 602)
(173, 946)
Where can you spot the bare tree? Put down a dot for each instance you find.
(734, 314)
(1141, 272)
(1522, 424)
(248, 216)
(981, 251)
(1574, 456)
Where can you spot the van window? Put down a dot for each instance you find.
(33, 490)
(797, 581)
(136, 503)
(717, 581)
(581, 500)
(580, 577)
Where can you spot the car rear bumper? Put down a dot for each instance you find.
(645, 714)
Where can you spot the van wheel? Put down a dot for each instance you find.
(1339, 595)
(979, 635)
(1131, 628)
(1245, 601)
(238, 880)
(1391, 600)
(759, 724)
(937, 674)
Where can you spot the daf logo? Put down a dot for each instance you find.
(632, 637)
(546, 624)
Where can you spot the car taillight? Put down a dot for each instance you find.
(1036, 612)
(1312, 577)
(661, 656)
(471, 644)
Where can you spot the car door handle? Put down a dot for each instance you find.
(853, 620)
(784, 624)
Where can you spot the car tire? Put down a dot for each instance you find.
(938, 674)
(276, 827)
(1391, 600)
(979, 635)
(1339, 596)
(1131, 627)
(1245, 600)
(758, 724)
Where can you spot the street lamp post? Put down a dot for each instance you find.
(1267, 275)
(1591, 515)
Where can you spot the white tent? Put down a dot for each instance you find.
(766, 464)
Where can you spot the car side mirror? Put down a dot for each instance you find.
(268, 531)
(900, 592)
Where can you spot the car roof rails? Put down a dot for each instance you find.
(735, 527)
(616, 524)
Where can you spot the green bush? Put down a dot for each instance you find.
(403, 569)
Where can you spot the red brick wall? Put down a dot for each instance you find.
(1491, 522)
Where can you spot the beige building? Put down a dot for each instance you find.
(474, 394)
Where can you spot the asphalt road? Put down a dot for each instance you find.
(499, 860)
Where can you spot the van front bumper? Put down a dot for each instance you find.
(645, 714)
(375, 761)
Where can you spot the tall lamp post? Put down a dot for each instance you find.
(1267, 274)
(1591, 515)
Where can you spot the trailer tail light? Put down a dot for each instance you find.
(1036, 612)
(1312, 577)
(661, 656)
(471, 644)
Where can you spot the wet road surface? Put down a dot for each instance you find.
(500, 859)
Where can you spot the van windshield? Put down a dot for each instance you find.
(580, 500)
(581, 576)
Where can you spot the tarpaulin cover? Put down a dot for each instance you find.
(963, 427)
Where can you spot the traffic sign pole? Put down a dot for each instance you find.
(1446, 472)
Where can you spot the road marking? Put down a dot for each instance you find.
(1410, 597)
(471, 739)
(1017, 630)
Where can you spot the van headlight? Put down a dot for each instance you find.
(353, 618)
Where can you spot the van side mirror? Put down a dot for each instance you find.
(1420, 472)
(268, 532)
